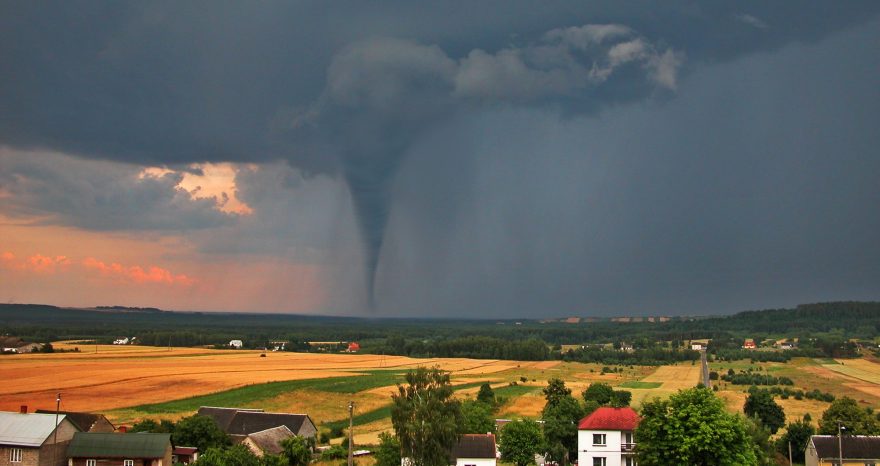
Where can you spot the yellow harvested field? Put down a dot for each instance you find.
(524, 406)
(122, 376)
(675, 377)
(857, 368)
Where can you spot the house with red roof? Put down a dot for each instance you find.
(605, 437)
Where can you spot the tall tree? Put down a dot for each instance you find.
(561, 414)
(692, 427)
(520, 441)
(600, 392)
(760, 404)
(296, 451)
(199, 431)
(388, 453)
(486, 394)
(426, 416)
(797, 434)
(476, 417)
(846, 411)
(237, 455)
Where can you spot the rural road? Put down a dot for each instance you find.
(705, 363)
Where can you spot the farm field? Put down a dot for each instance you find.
(129, 383)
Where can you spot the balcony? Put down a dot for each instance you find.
(627, 447)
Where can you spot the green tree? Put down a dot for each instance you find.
(692, 427)
(388, 453)
(476, 418)
(520, 441)
(149, 425)
(486, 394)
(199, 431)
(426, 416)
(561, 415)
(797, 433)
(295, 451)
(273, 460)
(765, 453)
(238, 455)
(846, 411)
(621, 398)
(599, 392)
(760, 404)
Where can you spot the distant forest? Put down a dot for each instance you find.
(821, 329)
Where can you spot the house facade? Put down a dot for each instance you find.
(28, 439)
(85, 422)
(824, 450)
(605, 437)
(106, 449)
(475, 450)
(184, 455)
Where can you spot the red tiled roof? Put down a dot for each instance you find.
(606, 418)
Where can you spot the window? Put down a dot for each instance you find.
(599, 461)
(128, 463)
(15, 455)
(598, 439)
(91, 462)
(629, 462)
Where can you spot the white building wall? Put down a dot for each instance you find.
(611, 451)
(475, 462)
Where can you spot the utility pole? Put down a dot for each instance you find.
(789, 453)
(840, 429)
(55, 441)
(350, 433)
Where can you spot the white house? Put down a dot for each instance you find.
(237, 344)
(475, 450)
(121, 341)
(697, 346)
(605, 437)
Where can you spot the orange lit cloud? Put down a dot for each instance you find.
(137, 274)
(216, 181)
(37, 263)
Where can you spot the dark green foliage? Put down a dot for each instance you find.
(486, 394)
(599, 392)
(760, 404)
(388, 453)
(150, 425)
(692, 427)
(621, 398)
(797, 433)
(476, 417)
(561, 415)
(200, 432)
(238, 455)
(335, 452)
(856, 420)
(296, 451)
(426, 417)
(765, 451)
(751, 378)
(520, 441)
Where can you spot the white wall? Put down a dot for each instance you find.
(611, 450)
(475, 462)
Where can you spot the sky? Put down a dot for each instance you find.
(447, 159)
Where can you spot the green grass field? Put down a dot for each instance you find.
(635, 384)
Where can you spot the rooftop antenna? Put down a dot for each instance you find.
(350, 433)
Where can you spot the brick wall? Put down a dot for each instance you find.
(29, 456)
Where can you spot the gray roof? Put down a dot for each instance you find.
(269, 440)
(84, 421)
(239, 421)
(26, 430)
(862, 447)
(222, 416)
(109, 445)
(475, 446)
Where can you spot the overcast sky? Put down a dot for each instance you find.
(477, 159)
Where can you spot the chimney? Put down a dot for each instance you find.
(23, 409)
(122, 429)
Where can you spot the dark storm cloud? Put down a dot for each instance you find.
(348, 88)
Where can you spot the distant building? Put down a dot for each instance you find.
(749, 344)
(697, 346)
(822, 450)
(141, 449)
(237, 344)
(28, 439)
(238, 423)
(353, 347)
(121, 341)
(85, 422)
(184, 455)
(278, 345)
(605, 437)
(475, 450)
(268, 441)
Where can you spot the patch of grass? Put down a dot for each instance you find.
(247, 395)
(826, 361)
(361, 419)
(635, 384)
